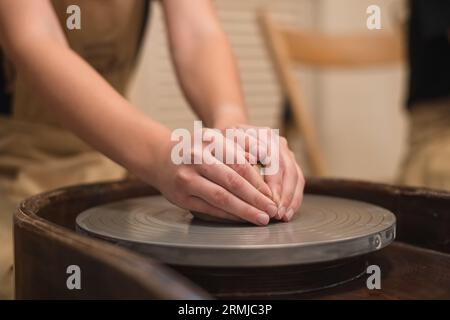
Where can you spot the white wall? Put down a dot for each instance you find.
(155, 88)
(362, 122)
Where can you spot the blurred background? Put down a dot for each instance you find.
(359, 115)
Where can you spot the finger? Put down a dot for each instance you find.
(256, 147)
(245, 169)
(296, 202)
(253, 176)
(290, 180)
(260, 141)
(275, 183)
(297, 199)
(269, 142)
(235, 183)
(234, 150)
(259, 151)
(200, 205)
(219, 197)
(274, 166)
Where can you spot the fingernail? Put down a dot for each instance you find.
(272, 211)
(262, 218)
(289, 214)
(281, 212)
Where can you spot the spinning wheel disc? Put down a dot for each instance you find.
(325, 229)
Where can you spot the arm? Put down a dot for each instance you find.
(204, 62)
(207, 72)
(77, 95)
(87, 105)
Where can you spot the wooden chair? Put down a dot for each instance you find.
(289, 46)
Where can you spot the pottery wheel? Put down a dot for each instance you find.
(325, 229)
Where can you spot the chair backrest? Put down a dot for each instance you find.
(349, 51)
(289, 46)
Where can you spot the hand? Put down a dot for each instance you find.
(288, 182)
(234, 192)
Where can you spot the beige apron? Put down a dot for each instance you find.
(36, 153)
(427, 162)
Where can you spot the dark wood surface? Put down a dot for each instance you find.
(46, 244)
(407, 272)
(416, 266)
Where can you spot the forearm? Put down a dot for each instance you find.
(87, 105)
(204, 62)
(208, 76)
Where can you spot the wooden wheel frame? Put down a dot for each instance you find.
(417, 265)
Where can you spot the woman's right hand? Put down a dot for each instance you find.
(234, 192)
